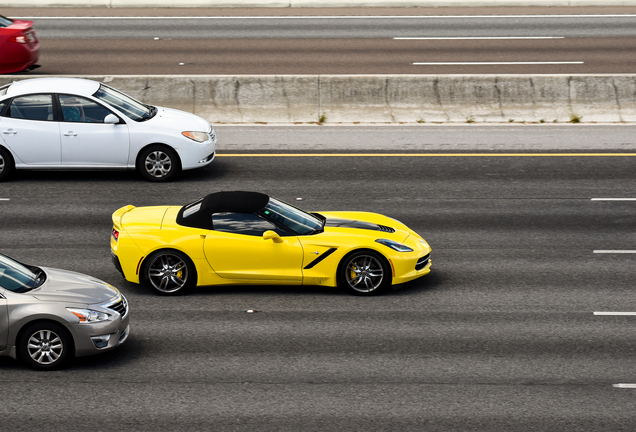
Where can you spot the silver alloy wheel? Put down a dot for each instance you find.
(168, 273)
(364, 273)
(45, 347)
(158, 164)
(2, 164)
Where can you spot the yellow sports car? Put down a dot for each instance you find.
(249, 238)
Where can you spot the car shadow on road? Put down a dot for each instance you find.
(212, 172)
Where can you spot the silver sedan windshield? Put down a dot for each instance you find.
(14, 276)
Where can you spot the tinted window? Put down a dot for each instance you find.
(32, 107)
(2, 105)
(242, 223)
(79, 109)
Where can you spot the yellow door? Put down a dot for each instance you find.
(238, 256)
(236, 249)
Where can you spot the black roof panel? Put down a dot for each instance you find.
(198, 214)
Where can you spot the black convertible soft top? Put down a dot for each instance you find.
(198, 214)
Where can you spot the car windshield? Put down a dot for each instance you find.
(132, 108)
(5, 22)
(3, 89)
(17, 277)
(298, 221)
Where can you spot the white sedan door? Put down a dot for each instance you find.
(30, 132)
(86, 139)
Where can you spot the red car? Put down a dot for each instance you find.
(19, 48)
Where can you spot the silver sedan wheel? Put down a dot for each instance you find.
(364, 273)
(2, 164)
(158, 164)
(168, 273)
(45, 347)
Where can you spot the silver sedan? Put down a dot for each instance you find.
(48, 316)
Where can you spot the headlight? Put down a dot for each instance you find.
(196, 136)
(394, 245)
(88, 315)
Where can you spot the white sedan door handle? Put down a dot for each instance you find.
(10, 132)
(70, 133)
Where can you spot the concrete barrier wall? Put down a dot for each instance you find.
(311, 3)
(386, 98)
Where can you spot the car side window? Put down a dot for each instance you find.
(32, 107)
(242, 223)
(79, 109)
(2, 105)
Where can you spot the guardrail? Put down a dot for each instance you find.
(385, 98)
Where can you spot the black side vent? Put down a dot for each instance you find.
(385, 228)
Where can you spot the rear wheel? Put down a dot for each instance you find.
(6, 164)
(158, 163)
(364, 273)
(169, 272)
(45, 346)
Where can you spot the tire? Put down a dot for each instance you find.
(169, 272)
(158, 163)
(45, 346)
(365, 273)
(6, 164)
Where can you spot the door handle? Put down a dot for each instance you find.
(69, 134)
(9, 132)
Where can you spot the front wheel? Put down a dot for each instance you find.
(158, 163)
(364, 273)
(45, 346)
(169, 272)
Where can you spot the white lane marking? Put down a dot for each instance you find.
(613, 199)
(614, 313)
(323, 17)
(480, 38)
(615, 251)
(622, 385)
(494, 63)
(5, 199)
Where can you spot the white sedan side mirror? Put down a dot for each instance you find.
(111, 119)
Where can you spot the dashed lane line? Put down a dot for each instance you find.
(614, 313)
(613, 199)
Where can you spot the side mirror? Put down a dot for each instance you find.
(271, 235)
(111, 119)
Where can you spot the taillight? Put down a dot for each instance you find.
(18, 39)
(115, 234)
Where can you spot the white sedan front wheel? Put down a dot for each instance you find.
(158, 163)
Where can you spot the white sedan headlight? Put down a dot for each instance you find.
(196, 136)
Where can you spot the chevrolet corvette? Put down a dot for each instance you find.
(246, 238)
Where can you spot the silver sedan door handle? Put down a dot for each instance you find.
(10, 132)
(70, 133)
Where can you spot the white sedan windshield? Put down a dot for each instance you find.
(133, 109)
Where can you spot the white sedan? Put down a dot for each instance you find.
(70, 123)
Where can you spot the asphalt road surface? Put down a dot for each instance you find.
(501, 336)
(334, 41)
